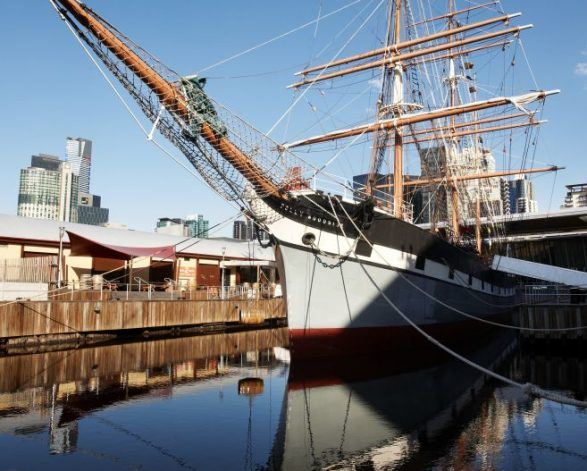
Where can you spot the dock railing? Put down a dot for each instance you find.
(169, 290)
(552, 294)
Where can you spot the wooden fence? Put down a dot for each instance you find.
(34, 318)
(29, 270)
(552, 316)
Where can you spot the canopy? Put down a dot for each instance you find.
(83, 246)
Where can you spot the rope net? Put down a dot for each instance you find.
(202, 129)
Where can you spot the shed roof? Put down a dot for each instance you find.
(47, 231)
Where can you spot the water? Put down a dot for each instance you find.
(234, 401)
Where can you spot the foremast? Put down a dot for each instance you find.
(390, 104)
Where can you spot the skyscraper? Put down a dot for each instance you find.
(197, 226)
(48, 190)
(79, 154)
(243, 230)
(521, 195)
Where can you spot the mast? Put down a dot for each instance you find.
(398, 151)
(170, 96)
(392, 84)
(453, 150)
(381, 139)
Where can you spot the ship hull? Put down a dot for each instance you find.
(347, 297)
(337, 311)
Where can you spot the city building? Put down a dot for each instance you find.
(89, 210)
(79, 154)
(521, 195)
(413, 196)
(243, 230)
(171, 226)
(576, 196)
(197, 226)
(247, 230)
(192, 226)
(48, 189)
(435, 161)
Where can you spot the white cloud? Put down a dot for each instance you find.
(581, 69)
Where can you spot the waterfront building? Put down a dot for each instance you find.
(576, 196)
(48, 189)
(557, 238)
(521, 195)
(92, 250)
(79, 154)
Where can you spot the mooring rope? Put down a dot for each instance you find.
(528, 388)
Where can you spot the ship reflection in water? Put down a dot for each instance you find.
(235, 401)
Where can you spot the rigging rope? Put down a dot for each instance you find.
(281, 36)
(323, 71)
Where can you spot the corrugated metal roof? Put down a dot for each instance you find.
(43, 230)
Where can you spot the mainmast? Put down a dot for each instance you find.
(398, 150)
(453, 149)
(390, 105)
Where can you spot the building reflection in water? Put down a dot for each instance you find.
(415, 412)
(53, 391)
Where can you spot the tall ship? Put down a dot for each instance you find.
(356, 263)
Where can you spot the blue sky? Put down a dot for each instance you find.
(51, 90)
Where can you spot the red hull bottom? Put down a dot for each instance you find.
(324, 343)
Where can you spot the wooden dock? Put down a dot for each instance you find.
(552, 316)
(45, 321)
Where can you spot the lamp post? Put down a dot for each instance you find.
(222, 273)
(60, 256)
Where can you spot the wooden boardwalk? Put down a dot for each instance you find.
(55, 318)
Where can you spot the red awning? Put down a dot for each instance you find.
(82, 246)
